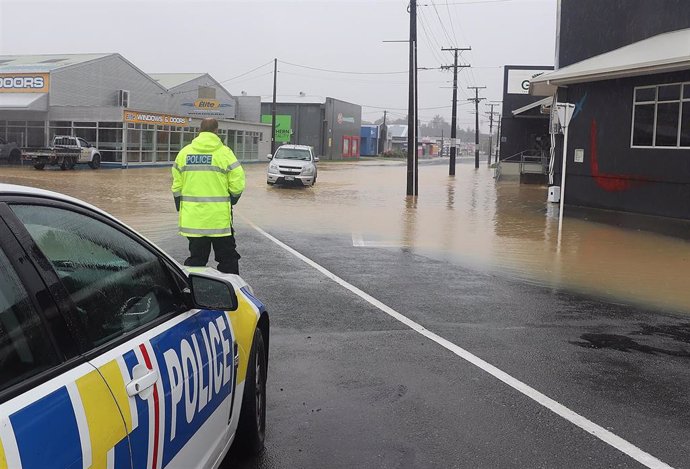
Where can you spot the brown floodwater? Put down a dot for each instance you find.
(502, 227)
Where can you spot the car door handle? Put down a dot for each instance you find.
(141, 382)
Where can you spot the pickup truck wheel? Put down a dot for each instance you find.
(95, 162)
(39, 165)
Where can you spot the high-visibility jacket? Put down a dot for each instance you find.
(206, 178)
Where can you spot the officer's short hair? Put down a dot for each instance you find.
(209, 125)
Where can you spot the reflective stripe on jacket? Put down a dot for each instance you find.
(206, 175)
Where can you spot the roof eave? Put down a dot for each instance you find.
(548, 86)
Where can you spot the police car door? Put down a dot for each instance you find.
(56, 410)
(176, 364)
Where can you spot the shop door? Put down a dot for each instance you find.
(354, 147)
(347, 147)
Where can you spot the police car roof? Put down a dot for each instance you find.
(12, 189)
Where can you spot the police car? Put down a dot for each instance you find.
(111, 354)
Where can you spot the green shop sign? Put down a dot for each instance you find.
(283, 126)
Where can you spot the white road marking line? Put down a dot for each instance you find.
(587, 425)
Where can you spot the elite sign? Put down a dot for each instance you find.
(24, 82)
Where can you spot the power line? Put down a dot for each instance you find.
(229, 79)
(429, 36)
(452, 27)
(443, 26)
(405, 109)
(453, 128)
(470, 2)
(476, 100)
(345, 72)
(247, 73)
(254, 77)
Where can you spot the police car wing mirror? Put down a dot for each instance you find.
(212, 293)
(269, 156)
(316, 159)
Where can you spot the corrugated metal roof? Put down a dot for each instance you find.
(44, 62)
(173, 80)
(668, 52)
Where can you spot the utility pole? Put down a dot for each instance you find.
(454, 120)
(416, 119)
(491, 130)
(273, 107)
(498, 142)
(412, 108)
(476, 100)
(442, 142)
(383, 135)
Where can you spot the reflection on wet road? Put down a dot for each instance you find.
(501, 227)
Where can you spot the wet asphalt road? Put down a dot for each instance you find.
(349, 386)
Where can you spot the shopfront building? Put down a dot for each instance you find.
(132, 117)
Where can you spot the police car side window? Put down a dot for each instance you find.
(116, 283)
(24, 348)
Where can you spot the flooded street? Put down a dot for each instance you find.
(503, 227)
(459, 307)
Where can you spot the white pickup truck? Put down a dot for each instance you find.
(65, 152)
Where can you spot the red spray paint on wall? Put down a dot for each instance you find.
(608, 181)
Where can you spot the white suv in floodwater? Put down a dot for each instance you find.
(292, 164)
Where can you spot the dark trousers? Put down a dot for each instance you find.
(224, 249)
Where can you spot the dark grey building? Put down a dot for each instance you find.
(523, 126)
(332, 126)
(625, 64)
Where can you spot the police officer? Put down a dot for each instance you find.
(207, 181)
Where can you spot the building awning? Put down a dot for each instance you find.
(668, 52)
(23, 101)
(537, 104)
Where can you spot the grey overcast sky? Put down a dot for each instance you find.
(228, 38)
